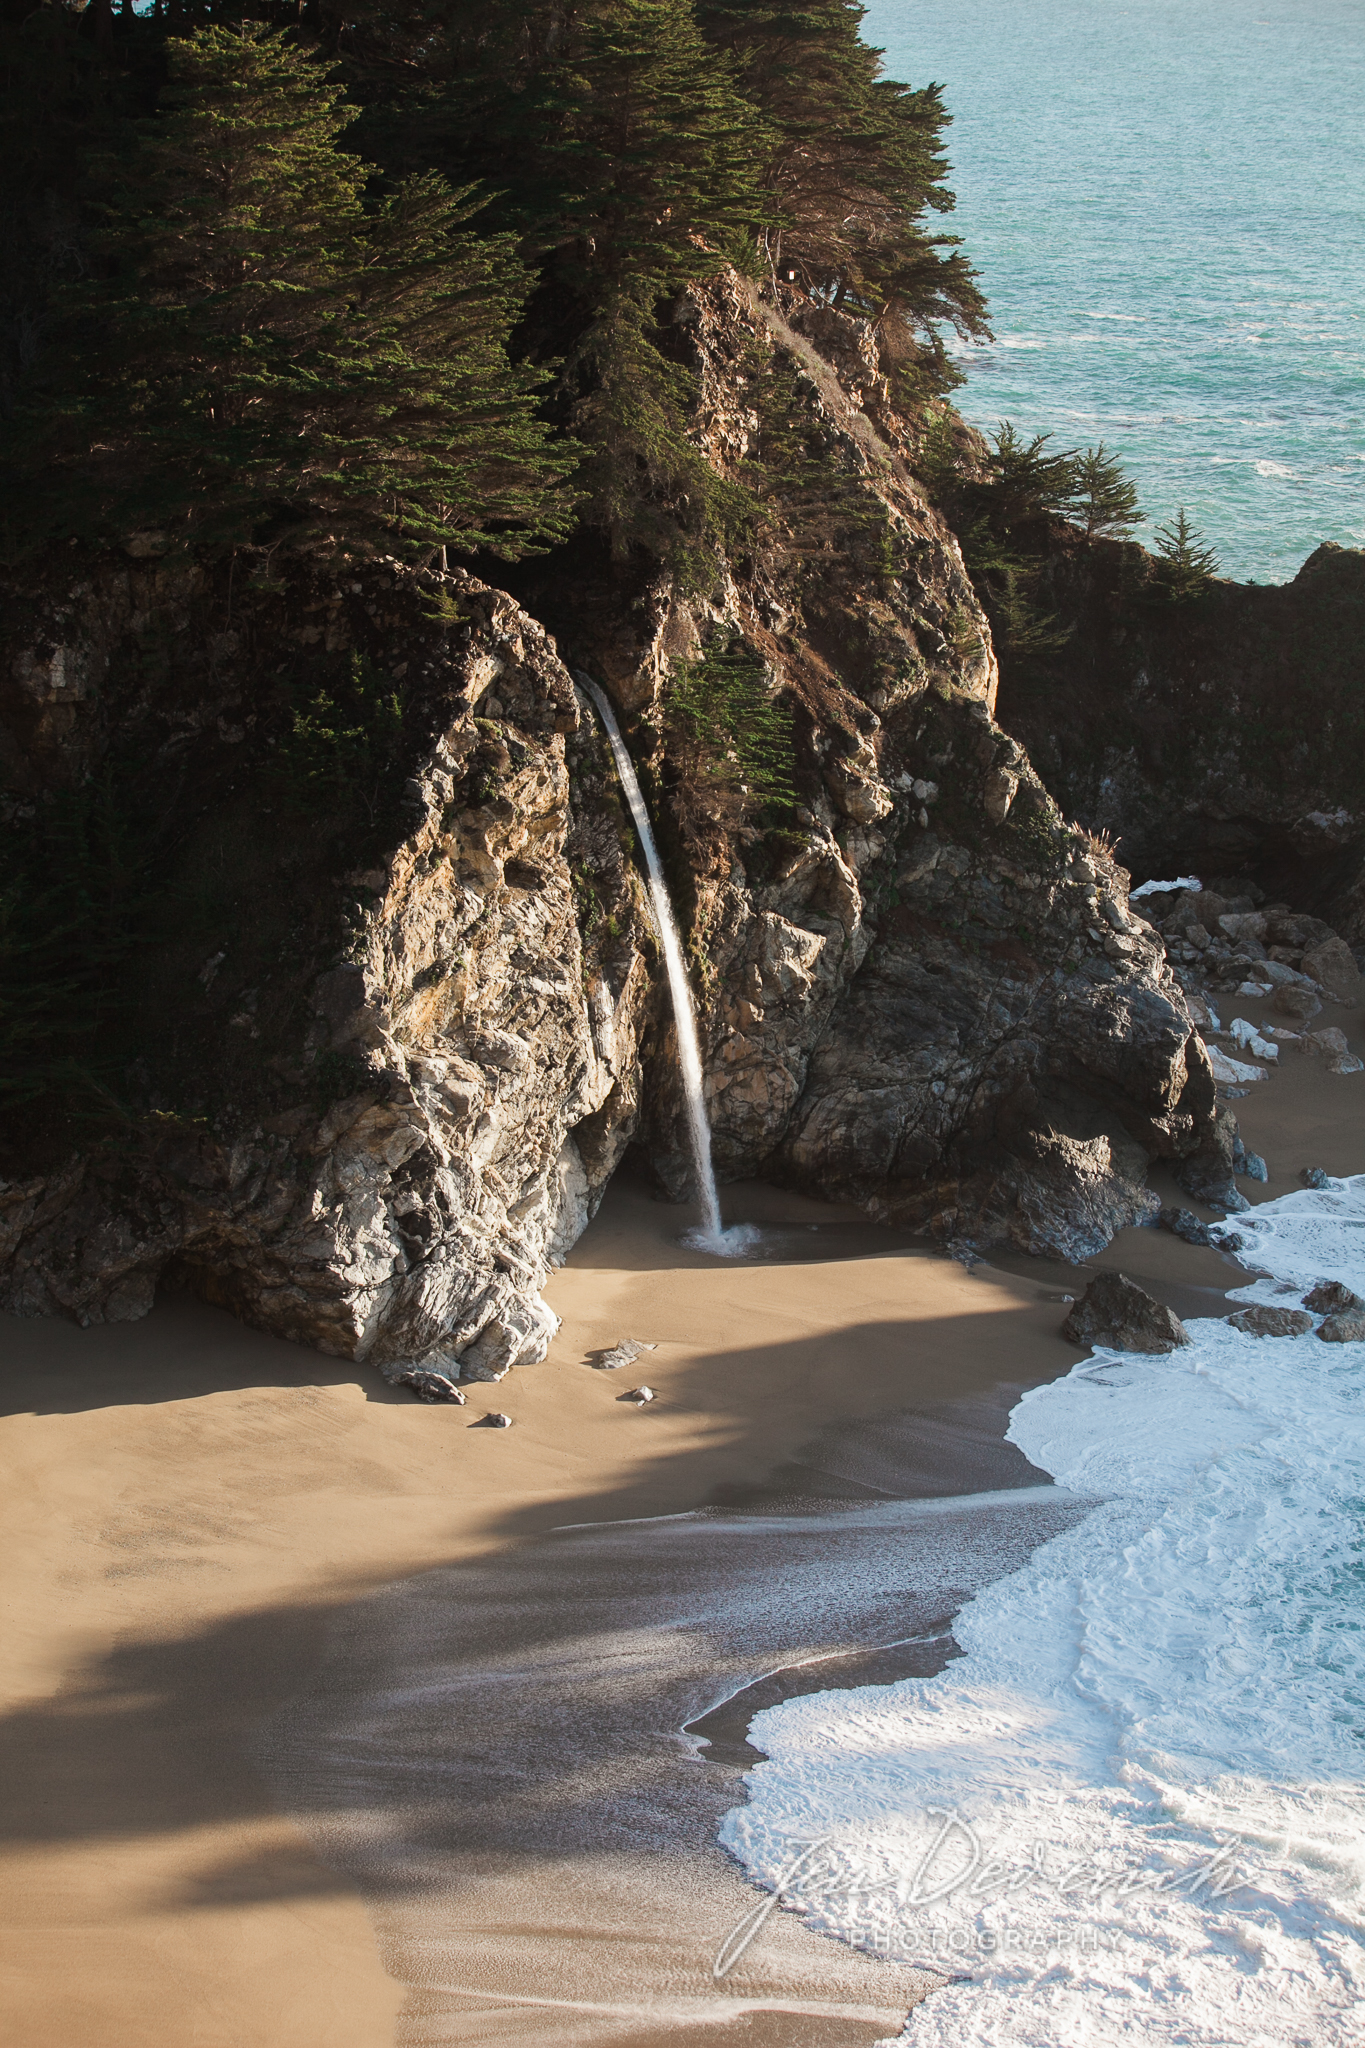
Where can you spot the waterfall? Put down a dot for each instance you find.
(712, 1236)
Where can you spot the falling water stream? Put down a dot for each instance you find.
(712, 1236)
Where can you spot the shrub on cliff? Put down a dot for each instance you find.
(1002, 498)
(728, 746)
(261, 357)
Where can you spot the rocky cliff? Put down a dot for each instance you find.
(1219, 737)
(390, 1014)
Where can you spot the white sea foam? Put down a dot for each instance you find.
(1150, 1756)
(1162, 888)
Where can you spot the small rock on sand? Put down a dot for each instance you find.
(1114, 1311)
(1314, 1177)
(429, 1386)
(499, 1421)
(1184, 1223)
(624, 1353)
(1262, 1321)
(641, 1395)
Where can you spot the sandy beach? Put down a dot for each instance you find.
(282, 1645)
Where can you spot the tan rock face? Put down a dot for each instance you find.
(934, 1002)
(415, 1218)
(922, 992)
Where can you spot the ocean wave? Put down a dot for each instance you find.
(1135, 1804)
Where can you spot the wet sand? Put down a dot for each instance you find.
(224, 1738)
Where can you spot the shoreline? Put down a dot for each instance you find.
(196, 1509)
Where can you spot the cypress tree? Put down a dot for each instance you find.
(1185, 565)
(616, 145)
(1105, 499)
(268, 361)
(857, 162)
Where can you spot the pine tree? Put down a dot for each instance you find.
(268, 361)
(1185, 566)
(1105, 499)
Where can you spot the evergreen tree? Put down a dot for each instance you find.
(1025, 481)
(267, 361)
(857, 161)
(1105, 499)
(1001, 510)
(1185, 565)
(613, 141)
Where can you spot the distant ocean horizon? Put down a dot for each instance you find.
(1165, 200)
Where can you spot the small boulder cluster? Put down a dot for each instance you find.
(1118, 1314)
(1221, 943)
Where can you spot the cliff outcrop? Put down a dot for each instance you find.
(392, 1015)
(1220, 736)
(373, 1125)
(926, 994)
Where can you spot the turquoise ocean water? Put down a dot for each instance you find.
(1166, 202)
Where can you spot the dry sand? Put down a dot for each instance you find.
(195, 1515)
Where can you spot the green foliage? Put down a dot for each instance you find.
(1025, 481)
(615, 145)
(855, 163)
(1105, 498)
(342, 756)
(728, 743)
(818, 512)
(263, 359)
(220, 325)
(1185, 565)
(1002, 508)
(645, 481)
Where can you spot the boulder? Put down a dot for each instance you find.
(1333, 964)
(1331, 1297)
(1208, 1173)
(1263, 1321)
(1185, 1224)
(1344, 1329)
(1240, 925)
(1295, 999)
(1115, 1311)
(1287, 928)
(1325, 1045)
